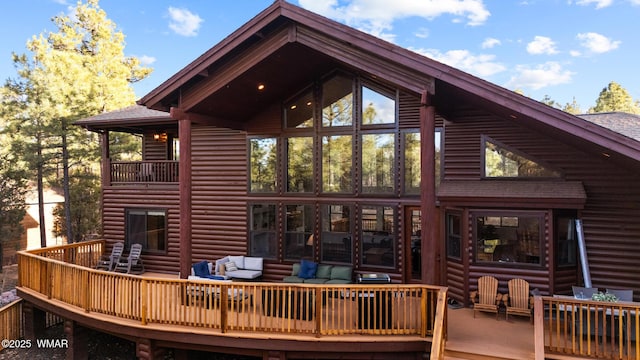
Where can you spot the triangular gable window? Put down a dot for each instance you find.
(502, 162)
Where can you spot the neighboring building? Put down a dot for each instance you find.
(296, 125)
(52, 198)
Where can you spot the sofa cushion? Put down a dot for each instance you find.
(324, 271)
(239, 260)
(295, 269)
(315, 281)
(253, 263)
(201, 269)
(338, 281)
(230, 267)
(220, 264)
(293, 279)
(341, 273)
(244, 274)
(308, 269)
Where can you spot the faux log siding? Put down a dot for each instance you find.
(409, 112)
(117, 199)
(153, 150)
(611, 216)
(219, 191)
(455, 280)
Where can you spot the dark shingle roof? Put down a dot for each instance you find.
(134, 115)
(622, 123)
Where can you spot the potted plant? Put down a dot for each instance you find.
(606, 297)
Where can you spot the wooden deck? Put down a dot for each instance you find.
(484, 337)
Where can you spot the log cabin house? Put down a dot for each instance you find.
(297, 136)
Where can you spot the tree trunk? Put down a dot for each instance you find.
(65, 183)
(40, 175)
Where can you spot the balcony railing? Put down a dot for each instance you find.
(156, 171)
(586, 329)
(295, 309)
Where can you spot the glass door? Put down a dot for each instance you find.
(413, 244)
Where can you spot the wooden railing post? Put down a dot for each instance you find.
(87, 290)
(224, 301)
(423, 313)
(144, 297)
(318, 310)
(538, 327)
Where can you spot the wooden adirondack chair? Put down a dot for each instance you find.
(486, 298)
(131, 264)
(519, 300)
(108, 262)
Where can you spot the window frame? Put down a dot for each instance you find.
(542, 217)
(394, 233)
(127, 230)
(276, 181)
(483, 162)
(348, 234)
(271, 254)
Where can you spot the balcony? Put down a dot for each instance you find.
(144, 172)
(342, 318)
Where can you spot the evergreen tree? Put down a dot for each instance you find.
(76, 72)
(572, 107)
(615, 98)
(12, 205)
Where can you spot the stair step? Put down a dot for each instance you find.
(461, 355)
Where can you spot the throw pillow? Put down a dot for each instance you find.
(307, 269)
(231, 266)
(201, 269)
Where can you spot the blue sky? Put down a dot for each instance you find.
(560, 48)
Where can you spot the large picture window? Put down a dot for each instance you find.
(263, 240)
(337, 164)
(337, 102)
(377, 108)
(263, 155)
(336, 233)
(454, 235)
(501, 161)
(378, 236)
(300, 164)
(298, 237)
(378, 163)
(147, 227)
(508, 237)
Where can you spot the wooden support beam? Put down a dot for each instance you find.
(34, 322)
(429, 219)
(184, 130)
(78, 338)
(196, 118)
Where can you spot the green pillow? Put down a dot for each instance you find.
(295, 269)
(324, 271)
(341, 272)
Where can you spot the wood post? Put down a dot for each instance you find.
(34, 321)
(77, 337)
(429, 216)
(184, 131)
(147, 349)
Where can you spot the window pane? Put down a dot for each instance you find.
(336, 234)
(300, 164)
(412, 165)
(263, 165)
(454, 236)
(377, 163)
(299, 113)
(567, 240)
(378, 236)
(298, 240)
(337, 164)
(337, 102)
(148, 228)
(262, 237)
(508, 238)
(502, 162)
(377, 108)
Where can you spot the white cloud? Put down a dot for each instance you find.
(540, 76)
(489, 43)
(482, 65)
(184, 22)
(146, 60)
(599, 3)
(423, 33)
(542, 45)
(597, 43)
(377, 16)
(634, 2)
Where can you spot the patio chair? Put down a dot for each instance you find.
(580, 292)
(486, 298)
(518, 302)
(131, 264)
(108, 262)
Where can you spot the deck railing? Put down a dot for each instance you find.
(11, 328)
(149, 171)
(586, 328)
(297, 309)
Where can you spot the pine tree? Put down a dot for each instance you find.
(615, 98)
(76, 72)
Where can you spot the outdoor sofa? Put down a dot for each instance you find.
(309, 272)
(229, 267)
